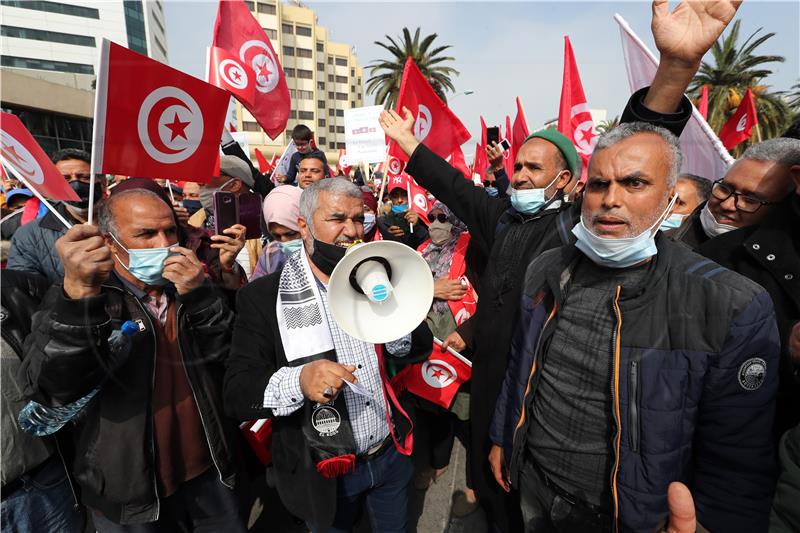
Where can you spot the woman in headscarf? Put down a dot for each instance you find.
(370, 214)
(454, 301)
(281, 211)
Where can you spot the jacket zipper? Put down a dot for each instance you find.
(76, 506)
(194, 397)
(633, 406)
(615, 353)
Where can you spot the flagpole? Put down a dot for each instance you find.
(98, 122)
(38, 195)
(169, 188)
(454, 353)
(385, 177)
(408, 185)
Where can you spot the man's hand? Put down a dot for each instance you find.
(229, 244)
(411, 216)
(400, 129)
(495, 154)
(683, 37)
(396, 231)
(794, 343)
(682, 518)
(454, 341)
(498, 464)
(181, 213)
(320, 375)
(87, 261)
(449, 289)
(184, 270)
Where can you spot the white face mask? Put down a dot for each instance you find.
(369, 222)
(711, 227)
(619, 252)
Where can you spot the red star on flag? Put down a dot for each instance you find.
(263, 70)
(588, 135)
(13, 151)
(177, 128)
(236, 76)
(437, 373)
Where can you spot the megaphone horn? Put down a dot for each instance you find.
(380, 291)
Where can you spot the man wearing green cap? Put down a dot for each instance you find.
(513, 231)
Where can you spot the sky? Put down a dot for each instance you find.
(504, 49)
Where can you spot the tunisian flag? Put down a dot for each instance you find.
(519, 132)
(154, 121)
(436, 125)
(263, 164)
(238, 32)
(437, 379)
(574, 119)
(740, 126)
(25, 159)
(459, 162)
(228, 72)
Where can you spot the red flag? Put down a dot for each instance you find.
(458, 162)
(483, 131)
(519, 132)
(740, 126)
(394, 169)
(342, 164)
(238, 32)
(155, 121)
(418, 199)
(263, 164)
(703, 107)
(25, 158)
(574, 119)
(437, 379)
(481, 162)
(508, 160)
(274, 160)
(226, 71)
(436, 125)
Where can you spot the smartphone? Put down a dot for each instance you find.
(505, 145)
(492, 135)
(250, 214)
(225, 211)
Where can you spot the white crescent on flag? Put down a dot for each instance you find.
(263, 61)
(170, 125)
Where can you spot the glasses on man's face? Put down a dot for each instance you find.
(85, 178)
(488, 183)
(441, 217)
(743, 202)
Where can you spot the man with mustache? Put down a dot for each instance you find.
(339, 435)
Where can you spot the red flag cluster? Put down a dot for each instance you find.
(740, 126)
(437, 379)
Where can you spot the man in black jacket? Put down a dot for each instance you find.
(151, 451)
(769, 254)
(334, 444)
(512, 239)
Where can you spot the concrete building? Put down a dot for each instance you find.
(324, 78)
(49, 51)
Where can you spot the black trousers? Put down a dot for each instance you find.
(435, 434)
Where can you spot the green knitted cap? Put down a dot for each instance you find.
(564, 145)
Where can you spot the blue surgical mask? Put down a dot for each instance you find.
(529, 201)
(145, 264)
(402, 208)
(619, 252)
(671, 222)
(491, 191)
(369, 222)
(290, 247)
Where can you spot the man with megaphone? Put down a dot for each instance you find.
(339, 434)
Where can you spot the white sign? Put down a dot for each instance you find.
(241, 138)
(364, 136)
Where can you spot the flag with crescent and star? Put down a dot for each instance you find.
(436, 379)
(26, 160)
(740, 126)
(154, 121)
(574, 119)
(240, 34)
(228, 72)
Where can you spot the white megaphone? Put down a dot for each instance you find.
(380, 291)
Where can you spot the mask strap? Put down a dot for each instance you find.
(664, 215)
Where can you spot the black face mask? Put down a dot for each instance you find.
(192, 206)
(327, 256)
(82, 190)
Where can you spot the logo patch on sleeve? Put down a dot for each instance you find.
(752, 373)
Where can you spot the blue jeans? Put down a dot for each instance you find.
(44, 502)
(381, 482)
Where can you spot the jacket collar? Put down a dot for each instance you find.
(50, 221)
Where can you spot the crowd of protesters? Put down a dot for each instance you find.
(635, 348)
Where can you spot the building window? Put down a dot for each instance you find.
(306, 115)
(250, 5)
(287, 28)
(353, 88)
(320, 85)
(331, 113)
(159, 24)
(293, 114)
(322, 141)
(161, 47)
(341, 79)
(305, 74)
(267, 9)
(321, 67)
(331, 95)
(320, 104)
(330, 61)
(49, 36)
(134, 25)
(332, 129)
(341, 97)
(332, 145)
(305, 95)
(304, 52)
(289, 72)
(359, 96)
(288, 50)
(321, 122)
(272, 34)
(292, 93)
(53, 131)
(320, 47)
(352, 73)
(250, 126)
(339, 129)
(40, 64)
(330, 78)
(341, 146)
(341, 61)
(54, 7)
(340, 112)
(305, 31)
(352, 104)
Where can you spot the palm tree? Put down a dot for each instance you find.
(607, 125)
(735, 69)
(792, 98)
(387, 74)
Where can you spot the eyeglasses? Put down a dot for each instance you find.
(85, 178)
(488, 184)
(441, 217)
(745, 203)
